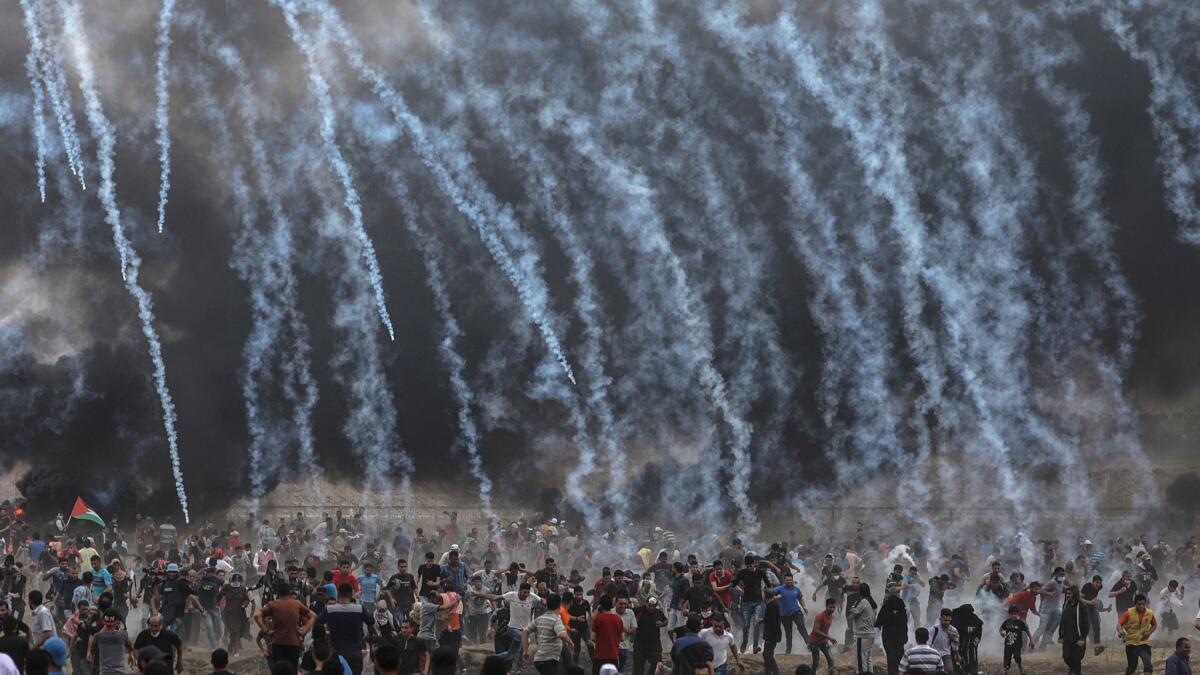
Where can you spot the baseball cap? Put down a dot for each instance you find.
(57, 649)
(453, 547)
(172, 567)
(608, 669)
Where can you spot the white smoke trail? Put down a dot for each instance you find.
(541, 185)
(857, 105)
(162, 42)
(642, 223)
(450, 166)
(39, 122)
(1174, 109)
(131, 263)
(320, 90)
(51, 74)
(266, 261)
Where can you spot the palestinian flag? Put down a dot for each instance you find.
(82, 512)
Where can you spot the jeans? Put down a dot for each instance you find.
(622, 659)
(547, 667)
(477, 625)
(932, 611)
(789, 621)
(769, 665)
(1094, 620)
(722, 669)
(1047, 629)
(819, 649)
(1135, 652)
(751, 612)
(213, 626)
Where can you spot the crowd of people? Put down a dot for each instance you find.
(342, 595)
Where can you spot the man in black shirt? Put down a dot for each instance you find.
(164, 640)
(647, 643)
(1123, 592)
(206, 593)
(1089, 595)
(401, 586)
(549, 574)
(751, 578)
(13, 643)
(429, 575)
(413, 651)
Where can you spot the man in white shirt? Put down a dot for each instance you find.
(723, 646)
(41, 619)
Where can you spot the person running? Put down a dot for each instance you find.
(1051, 609)
(1014, 631)
(791, 609)
(1136, 626)
(772, 633)
(607, 629)
(110, 647)
(1170, 598)
(723, 647)
(1073, 631)
(344, 623)
(943, 637)
(821, 640)
(647, 644)
(1089, 595)
(862, 619)
(290, 622)
(163, 641)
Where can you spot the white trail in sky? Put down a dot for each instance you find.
(39, 122)
(333, 153)
(162, 43)
(105, 137)
(52, 76)
(494, 222)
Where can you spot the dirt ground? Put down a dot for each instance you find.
(1045, 662)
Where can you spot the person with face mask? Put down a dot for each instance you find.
(236, 599)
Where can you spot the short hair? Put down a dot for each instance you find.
(401, 561)
(830, 601)
(549, 560)
(525, 586)
(606, 602)
(494, 665)
(219, 658)
(283, 589)
(345, 591)
(95, 558)
(11, 625)
(922, 635)
(1140, 597)
(946, 611)
(387, 657)
(35, 598)
(160, 668)
(552, 601)
(1179, 643)
(1097, 577)
(321, 650)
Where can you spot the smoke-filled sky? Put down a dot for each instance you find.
(722, 257)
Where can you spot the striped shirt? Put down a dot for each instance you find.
(921, 659)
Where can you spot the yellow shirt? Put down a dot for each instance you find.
(1137, 626)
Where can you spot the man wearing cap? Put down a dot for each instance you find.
(173, 597)
(455, 572)
(647, 642)
(56, 649)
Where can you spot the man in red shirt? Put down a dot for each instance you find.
(820, 640)
(343, 576)
(721, 581)
(290, 621)
(607, 629)
(1026, 601)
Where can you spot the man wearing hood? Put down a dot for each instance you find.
(1073, 631)
(970, 630)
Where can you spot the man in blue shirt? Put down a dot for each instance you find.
(455, 572)
(345, 622)
(101, 579)
(910, 593)
(368, 586)
(791, 609)
(1180, 663)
